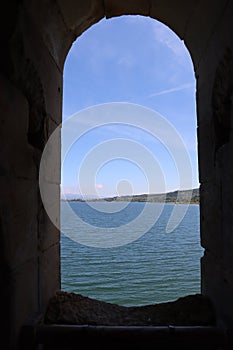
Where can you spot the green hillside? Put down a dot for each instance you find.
(170, 197)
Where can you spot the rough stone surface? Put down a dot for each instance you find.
(89, 12)
(210, 211)
(222, 100)
(175, 14)
(197, 25)
(120, 7)
(70, 308)
(49, 274)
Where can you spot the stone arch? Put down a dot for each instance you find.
(35, 38)
(106, 24)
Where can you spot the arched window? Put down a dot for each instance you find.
(134, 60)
(142, 64)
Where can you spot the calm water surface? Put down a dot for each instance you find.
(158, 267)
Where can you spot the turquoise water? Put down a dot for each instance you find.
(157, 267)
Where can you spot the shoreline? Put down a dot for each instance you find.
(176, 197)
(124, 201)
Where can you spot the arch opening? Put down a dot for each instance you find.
(177, 89)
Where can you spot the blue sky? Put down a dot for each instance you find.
(136, 60)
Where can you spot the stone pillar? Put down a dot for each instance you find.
(30, 109)
(215, 142)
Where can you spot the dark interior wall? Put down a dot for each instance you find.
(214, 96)
(35, 38)
(30, 108)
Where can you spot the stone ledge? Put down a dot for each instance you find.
(71, 308)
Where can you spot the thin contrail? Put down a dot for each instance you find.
(168, 91)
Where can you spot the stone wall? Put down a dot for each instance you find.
(215, 92)
(35, 38)
(30, 108)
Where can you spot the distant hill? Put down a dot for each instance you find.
(170, 197)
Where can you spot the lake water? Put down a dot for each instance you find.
(157, 267)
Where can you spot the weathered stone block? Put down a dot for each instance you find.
(216, 47)
(175, 14)
(218, 289)
(198, 26)
(50, 195)
(206, 152)
(24, 297)
(18, 217)
(50, 164)
(51, 125)
(204, 98)
(49, 234)
(45, 75)
(115, 8)
(79, 15)
(210, 218)
(227, 208)
(52, 28)
(49, 262)
(16, 156)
